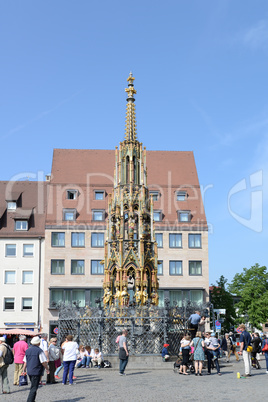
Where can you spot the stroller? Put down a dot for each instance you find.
(190, 365)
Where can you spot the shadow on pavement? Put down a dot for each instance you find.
(139, 372)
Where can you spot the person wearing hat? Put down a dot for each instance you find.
(3, 366)
(35, 359)
(165, 355)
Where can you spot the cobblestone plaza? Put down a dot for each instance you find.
(151, 385)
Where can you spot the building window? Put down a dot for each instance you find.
(21, 225)
(96, 267)
(95, 294)
(184, 216)
(56, 296)
(57, 267)
(67, 296)
(157, 216)
(9, 303)
(71, 194)
(181, 195)
(98, 214)
(28, 250)
(27, 277)
(195, 267)
(99, 195)
(78, 239)
(155, 195)
(10, 277)
(160, 267)
(69, 214)
(196, 296)
(175, 297)
(194, 240)
(11, 206)
(175, 267)
(159, 239)
(78, 267)
(175, 240)
(27, 303)
(57, 239)
(10, 250)
(97, 240)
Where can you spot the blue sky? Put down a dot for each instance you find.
(201, 79)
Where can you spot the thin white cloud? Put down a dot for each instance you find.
(256, 37)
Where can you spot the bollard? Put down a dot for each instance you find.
(238, 375)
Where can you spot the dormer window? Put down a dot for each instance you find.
(155, 195)
(99, 194)
(184, 216)
(157, 216)
(181, 195)
(71, 194)
(98, 214)
(69, 214)
(21, 225)
(11, 205)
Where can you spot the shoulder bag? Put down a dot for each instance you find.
(265, 348)
(122, 354)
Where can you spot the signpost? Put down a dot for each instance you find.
(218, 326)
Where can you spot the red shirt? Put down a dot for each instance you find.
(19, 350)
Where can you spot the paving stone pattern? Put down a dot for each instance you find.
(151, 385)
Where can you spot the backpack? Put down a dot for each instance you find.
(107, 364)
(9, 357)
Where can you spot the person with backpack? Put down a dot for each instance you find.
(4, 363)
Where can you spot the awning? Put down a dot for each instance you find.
(17, 331)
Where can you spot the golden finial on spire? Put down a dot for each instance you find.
(130, 115)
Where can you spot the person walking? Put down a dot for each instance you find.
(231, 336)
(3, 366)
(19, 350)
(194, 320)
(54, 354)
(35, 361)
(70, 352)
(199, 355)
(245, 341)
(123, 352)
(226, 346)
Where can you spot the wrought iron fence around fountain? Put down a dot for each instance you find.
(149, 327)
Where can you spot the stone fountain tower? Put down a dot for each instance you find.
(130, 263)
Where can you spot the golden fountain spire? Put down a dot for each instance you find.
(130, 130)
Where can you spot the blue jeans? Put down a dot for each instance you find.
(68, 366)
(59, 369)
(122, 365)
(266, 358)
(84, 362)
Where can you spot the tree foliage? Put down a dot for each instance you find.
(222, 299)
(252, 287)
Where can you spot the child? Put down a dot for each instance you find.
(97, 358)
(213, 341)
(82, 357)
(165, 355)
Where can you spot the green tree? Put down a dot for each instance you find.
(252, 287)
(222, 299)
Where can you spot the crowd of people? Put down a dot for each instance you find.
(195, 347)
(43, 356)
(198, 346)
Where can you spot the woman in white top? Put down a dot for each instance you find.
(70, 352)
